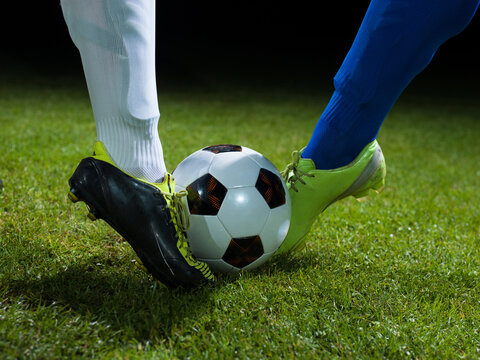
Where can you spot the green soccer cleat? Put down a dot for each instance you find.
(312, 191)
(151, 217)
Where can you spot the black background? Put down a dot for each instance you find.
(231, 35)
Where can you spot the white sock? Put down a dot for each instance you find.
(116, 40)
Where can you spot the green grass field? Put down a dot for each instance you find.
(396, 277)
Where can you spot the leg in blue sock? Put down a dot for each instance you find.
(396, 41)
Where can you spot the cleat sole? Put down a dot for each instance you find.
(362, 195)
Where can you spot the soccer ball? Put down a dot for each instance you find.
(239, 207)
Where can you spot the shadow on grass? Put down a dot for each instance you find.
(115, 294)
(126, 301)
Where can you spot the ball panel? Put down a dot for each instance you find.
(276, 228)
(221, 148)
(263, 162)
(191, 168)
(205, 195)
(243, 212)
(243, 251)
(271, 188)
(234, 169)
(207, 237)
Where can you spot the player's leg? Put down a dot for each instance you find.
(125, 182)
(397, 40)
(116, 40)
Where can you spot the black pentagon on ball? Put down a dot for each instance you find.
(205, 195)
(243, 251)
(271, 188)
(221, 148)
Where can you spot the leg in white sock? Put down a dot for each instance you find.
(116, 40)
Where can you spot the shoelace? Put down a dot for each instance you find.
(181, 211)
(292, 173)
(182, 221)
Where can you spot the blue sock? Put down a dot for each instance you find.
(396, 41)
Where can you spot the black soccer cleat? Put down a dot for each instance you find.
(151, 217)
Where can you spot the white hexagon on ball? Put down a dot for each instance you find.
(243, 212)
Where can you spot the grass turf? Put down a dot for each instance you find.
(397, 277)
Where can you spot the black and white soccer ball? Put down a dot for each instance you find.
(239, 207)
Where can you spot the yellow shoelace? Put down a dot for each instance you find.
(180, 218)
(182, 222)
(291, 174)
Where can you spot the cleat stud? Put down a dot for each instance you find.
(379, 187)
(363, 199)
(139, 264)
(361, 195)
(73, 198)
(91, 216)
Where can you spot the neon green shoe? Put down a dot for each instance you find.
(312, 191)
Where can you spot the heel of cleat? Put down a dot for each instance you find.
(377, 185)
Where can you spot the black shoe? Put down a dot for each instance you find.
(151, 217)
